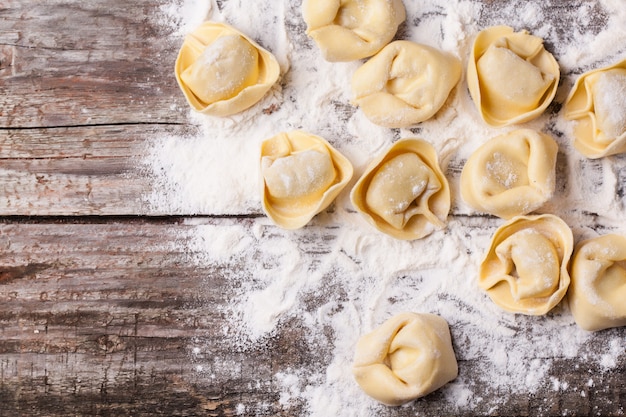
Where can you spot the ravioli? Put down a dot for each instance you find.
(349, 30)
(510, 76)
(404, 84)
(301, 175)
(525, 268)
(403, 192)
(221, 71)
(407, 357)
(598, 105)
(511, 174)
(597, 293)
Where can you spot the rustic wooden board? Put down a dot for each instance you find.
(83, 93)
(101, 319)
(79, 110)
(89, 170)
(100, 308)
(67, 63)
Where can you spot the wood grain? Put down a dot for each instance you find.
(66, 63)
(102, 311)
(83, 94)
(102, 319)
(78, 111)
(90, 170)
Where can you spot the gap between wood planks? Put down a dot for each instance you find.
(86, 125)
(174, 219)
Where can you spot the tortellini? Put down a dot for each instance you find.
(598, 104)
(221, 71)
(597, 293)
(510, 75)
(348, 30)
(525, 269)
(407, 357)
(405, 83)
(301, 175)
(403, 192)
(512, 174)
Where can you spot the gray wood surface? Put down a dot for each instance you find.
(98, 318)
(99, 305)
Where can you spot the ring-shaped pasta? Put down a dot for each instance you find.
(525, 269)
(405, 83)
(221, 71)
(349, 30)
(407, 357)
(597, 293)
(404, 192)
(511, 174)
(510, 76)
(301, 175)
(598, 105)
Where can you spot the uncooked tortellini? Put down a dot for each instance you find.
(511, 77)
(407, 357)
(221, 71)
(348, 30)
(511, 174)
(598, 104)
(525, 269)
(597, 293)
(405, 83)
(301, 175)
(403, 192)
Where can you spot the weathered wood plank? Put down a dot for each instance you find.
(99, 320)
(95, 66)
(103, 319)
(102, 316)
(102, 70)
(78, 171)
(66, 63)
(103, 170)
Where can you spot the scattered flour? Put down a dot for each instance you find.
(340, 277)
(185, 15)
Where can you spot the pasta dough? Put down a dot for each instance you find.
(403, 192)
(348, 30)
(525, 269)
(221, 71)
(511, 77)
(597, 293)
(511, 174)
(301, 175)
(407, 357)
(598, 104)
(405, 83)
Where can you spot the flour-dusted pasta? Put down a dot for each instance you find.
(510, 75)
(598, 104)
(301, 175)
(348, 30)
(403, 192)
(407, 357)
(512, 174)
(525, 268)
(221, 71)
(405, 83)
(597, 293)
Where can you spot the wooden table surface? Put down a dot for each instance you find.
(99, 304)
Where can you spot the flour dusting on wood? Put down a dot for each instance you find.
(338, 278)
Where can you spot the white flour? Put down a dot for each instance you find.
(341, 278)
